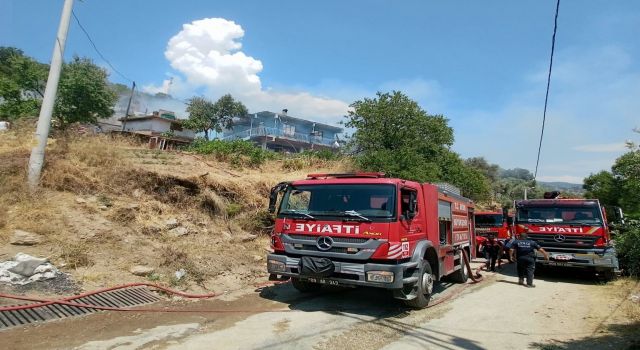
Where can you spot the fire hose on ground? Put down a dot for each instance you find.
(68, 301)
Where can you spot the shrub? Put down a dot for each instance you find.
(237, 152)
(628, 247)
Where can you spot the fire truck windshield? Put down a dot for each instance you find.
(370, 201)
(582, 215)
(488, 220)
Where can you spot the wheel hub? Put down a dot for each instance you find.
(427, 282)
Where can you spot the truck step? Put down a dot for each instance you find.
(410, 280)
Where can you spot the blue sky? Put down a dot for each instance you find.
(481, 64)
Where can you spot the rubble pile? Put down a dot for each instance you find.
(25, 269)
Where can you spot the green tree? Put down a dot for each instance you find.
(491, 171)
(394, 135)
(84, 94)
(22, 82)
(621, 186)
(603, 186)
(205, 116)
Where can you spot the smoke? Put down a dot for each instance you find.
(145, 103)
(208, 54)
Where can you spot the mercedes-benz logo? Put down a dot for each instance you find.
(559, 238)
(324, 243)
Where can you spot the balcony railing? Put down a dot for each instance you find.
(274, 132)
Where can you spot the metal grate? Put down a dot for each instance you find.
(121, 298)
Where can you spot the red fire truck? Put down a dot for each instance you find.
(365, 229)
(573, 231)
(496, 224)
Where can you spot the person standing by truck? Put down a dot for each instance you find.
(491, 249)
(525, 256)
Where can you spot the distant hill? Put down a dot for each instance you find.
(562, 186)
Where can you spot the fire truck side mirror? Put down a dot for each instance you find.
(413, 206)
(505, 214)
(273, 196)
(619, 215)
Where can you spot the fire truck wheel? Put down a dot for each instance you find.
(461, 275)
(423, 288)
(304, 286)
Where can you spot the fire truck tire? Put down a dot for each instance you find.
(423, 288)
(461, 275)
(304, 286)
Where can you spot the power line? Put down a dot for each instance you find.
(98, 51)
(546, 98)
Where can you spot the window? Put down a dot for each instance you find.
(175, 127)
(372, 201)
(560, 214)
(407, 196)
(288, 130)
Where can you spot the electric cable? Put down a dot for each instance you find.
(97, 50)
(546, 98)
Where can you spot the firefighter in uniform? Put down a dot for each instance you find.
(491, 253)
(525, 256)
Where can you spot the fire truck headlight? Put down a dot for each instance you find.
(602, 261)
(276, 266)
(380, 276)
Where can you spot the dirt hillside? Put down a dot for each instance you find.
(108, 204)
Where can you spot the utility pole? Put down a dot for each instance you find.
(44, 120)
(126, 114)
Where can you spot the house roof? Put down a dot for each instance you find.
(152, 116)
(286, 117)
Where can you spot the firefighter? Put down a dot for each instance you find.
(525, 256)
(491, 251)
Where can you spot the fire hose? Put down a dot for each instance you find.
(475, 278)
(68, 301)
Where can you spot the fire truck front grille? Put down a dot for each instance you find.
(335, 239)
(563, 241)
(313, 248)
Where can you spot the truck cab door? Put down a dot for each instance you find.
(411, 215)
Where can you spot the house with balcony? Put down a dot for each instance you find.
(163, 130)
(284, 133)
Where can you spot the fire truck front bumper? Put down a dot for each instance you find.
(600, 260)
(386, 276)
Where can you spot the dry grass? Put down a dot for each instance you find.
(105, 200)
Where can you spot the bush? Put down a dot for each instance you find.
(323, 154)
(239, 153)
(628, 247)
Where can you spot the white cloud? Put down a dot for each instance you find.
(602, 147)
(207, 52)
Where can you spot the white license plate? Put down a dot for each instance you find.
(561, 257)
(323, 281)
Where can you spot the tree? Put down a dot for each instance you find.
(621, 186)
(22, 83)
(394, 135)
(84, 94)
(205, 116)
(491, 171)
